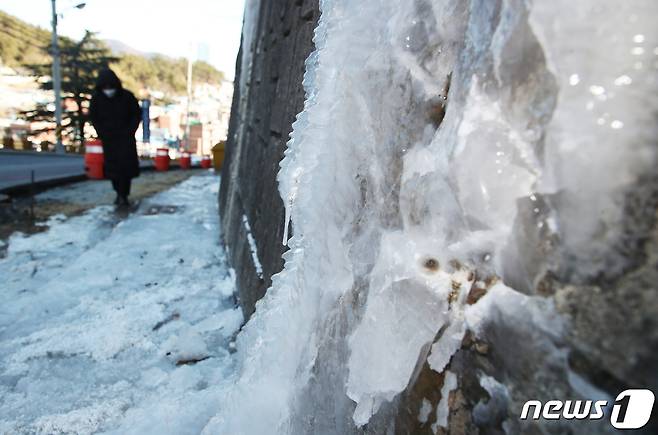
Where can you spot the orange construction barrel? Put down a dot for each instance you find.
(94, 159)
(206, 163)
(162, 159)
(185, 160)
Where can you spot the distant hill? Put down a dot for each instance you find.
(119, 48)
(23, 44)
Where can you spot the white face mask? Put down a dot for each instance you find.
(109, 93)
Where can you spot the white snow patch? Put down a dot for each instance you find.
(185, 346)
(425, 410)
(90, 309)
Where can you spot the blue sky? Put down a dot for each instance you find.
(171, 27)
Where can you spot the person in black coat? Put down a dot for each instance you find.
(115, 114)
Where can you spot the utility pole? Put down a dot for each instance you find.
(57, 84)
(189, 100)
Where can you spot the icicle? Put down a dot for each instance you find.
(286, 223)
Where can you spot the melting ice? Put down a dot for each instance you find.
(447, 149)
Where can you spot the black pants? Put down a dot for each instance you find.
(121, 186)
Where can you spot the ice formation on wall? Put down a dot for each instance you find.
(451, 156)
(252, 247)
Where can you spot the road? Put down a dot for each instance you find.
(16, 167)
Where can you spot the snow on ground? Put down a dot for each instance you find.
(102, 319)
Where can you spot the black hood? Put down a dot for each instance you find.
(108, 79)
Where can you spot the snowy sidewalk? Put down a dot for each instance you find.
(102, 320)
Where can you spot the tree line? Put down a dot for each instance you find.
(23, 45)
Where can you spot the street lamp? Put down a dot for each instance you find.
(57, 79)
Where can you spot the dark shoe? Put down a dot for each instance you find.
(123, 202)
(117, 200)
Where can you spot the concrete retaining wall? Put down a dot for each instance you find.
(267, 97)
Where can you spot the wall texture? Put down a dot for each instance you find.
(277, 39)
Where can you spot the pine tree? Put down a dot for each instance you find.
(80, 63)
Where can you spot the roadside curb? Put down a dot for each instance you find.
(49, 154)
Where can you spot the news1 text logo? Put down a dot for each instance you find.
(630, 410)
